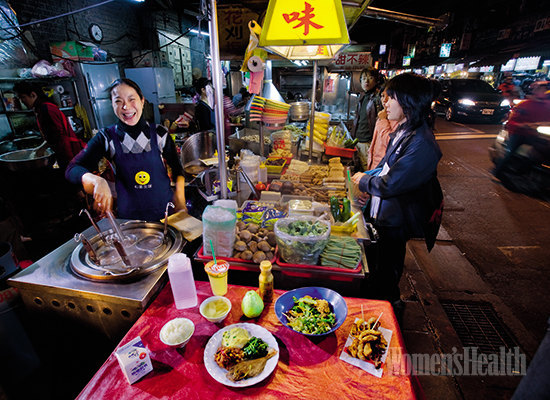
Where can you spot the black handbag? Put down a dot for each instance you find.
(423, 210)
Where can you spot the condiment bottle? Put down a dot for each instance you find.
(182, 281)
(266, 282)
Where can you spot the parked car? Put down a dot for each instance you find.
(470, 99)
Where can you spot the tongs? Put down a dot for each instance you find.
(101, 235)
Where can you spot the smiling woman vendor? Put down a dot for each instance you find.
(139, 153)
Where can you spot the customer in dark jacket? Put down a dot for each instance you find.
(402, 194)
(367, 111)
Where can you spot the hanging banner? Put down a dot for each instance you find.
(351, 61)
(233, 28)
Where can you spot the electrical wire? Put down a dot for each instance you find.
(60, 15)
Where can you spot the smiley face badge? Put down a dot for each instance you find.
(142, 178)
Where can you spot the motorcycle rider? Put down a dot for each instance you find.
(509, 90)
(524, 118)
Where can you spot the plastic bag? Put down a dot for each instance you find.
(42, 68)
(301, 248)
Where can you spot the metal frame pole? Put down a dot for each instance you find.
(312, 116)
(218, 92)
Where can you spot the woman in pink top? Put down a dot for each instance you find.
(381, 136)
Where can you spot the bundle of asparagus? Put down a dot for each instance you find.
(341, 252)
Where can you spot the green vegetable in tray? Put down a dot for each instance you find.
(255, 348)
(340, 209)
(301, 241)
(304, 228)
(335, 208)
(346, 210)
(350, 143)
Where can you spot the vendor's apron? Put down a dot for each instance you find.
(142, 183)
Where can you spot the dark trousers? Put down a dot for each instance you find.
(385, 260)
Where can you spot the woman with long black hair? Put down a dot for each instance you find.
(405, 191)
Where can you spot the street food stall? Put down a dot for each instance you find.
(274, 210)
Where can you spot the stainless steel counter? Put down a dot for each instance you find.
(49, 285)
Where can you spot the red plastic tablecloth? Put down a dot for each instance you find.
(307, 368)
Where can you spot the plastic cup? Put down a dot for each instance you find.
(217, 275)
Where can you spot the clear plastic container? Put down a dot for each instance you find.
(218, 225)
(300, 249)
(182, 281)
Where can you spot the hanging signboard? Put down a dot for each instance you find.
(445, 50)
(527, 63)
(351, 61)
(304, 29)
(233, 28)
(509, 66)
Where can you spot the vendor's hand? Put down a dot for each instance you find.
(100, 190)
(362, 199)
(357, 177)
(179, 194)
(183, 123)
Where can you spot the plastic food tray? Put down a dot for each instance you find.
(202, 256)
(339, 151)
(276, 169)
(343, 230)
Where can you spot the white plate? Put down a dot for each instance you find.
(215, 342)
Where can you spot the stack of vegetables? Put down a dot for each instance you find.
(341, 252)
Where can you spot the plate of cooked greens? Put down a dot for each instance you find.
(241, 355)
(311, 311)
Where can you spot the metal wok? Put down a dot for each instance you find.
(22, 160)
(200, 145)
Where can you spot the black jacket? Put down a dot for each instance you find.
(409, 192)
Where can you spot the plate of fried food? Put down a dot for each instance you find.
(241, 355)
(367, 346)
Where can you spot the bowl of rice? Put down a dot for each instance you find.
(177, 332)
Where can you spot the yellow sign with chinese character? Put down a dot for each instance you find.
(315, 26)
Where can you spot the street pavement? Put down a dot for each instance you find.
(490, 251)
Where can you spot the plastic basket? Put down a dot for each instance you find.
(339, 151)
(276, 169)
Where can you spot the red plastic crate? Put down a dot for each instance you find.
(283, 264)
(339, 151)
(203, 256)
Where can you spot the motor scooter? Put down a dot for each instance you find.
(528, 169)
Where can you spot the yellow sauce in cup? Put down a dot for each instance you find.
(215, 308)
